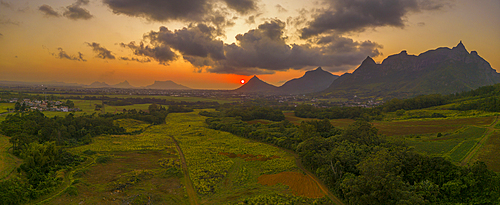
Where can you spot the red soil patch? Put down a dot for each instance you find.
(299, 184)
(249, 157)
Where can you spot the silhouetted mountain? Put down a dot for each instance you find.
(312, 81)
(443, 71)
(123, 84)
(167, 85)
(98, 84)
(257, 85)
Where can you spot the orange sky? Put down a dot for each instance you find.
(29, 40)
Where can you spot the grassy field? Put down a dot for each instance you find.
(416, 127)
(132, 171)
(454, 145)
(489, 153)
(219, 178)
(4, 106)
(8, 162)
(128, 169)
(168, 98)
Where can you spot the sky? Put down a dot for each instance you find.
(213, 44)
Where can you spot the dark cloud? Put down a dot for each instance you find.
(421, 24)
(242, 6)
(264, 50)
(220, 20)
(355, 16)
(82, 2)
(161, 53)
(193, 41)
(8, 21)
(48, 11)
(5, 4)
(1, 34)
(101, 51)
(75, 12)
(146, 60)
(259, 51)
(280, 8)
(63, 55)
(161, 10)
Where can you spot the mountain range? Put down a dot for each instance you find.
(312, 81)
(442, 71)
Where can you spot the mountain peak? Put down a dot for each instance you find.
(319, 69)
(460, 46)
(369, 61)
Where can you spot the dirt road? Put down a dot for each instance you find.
(193, 198)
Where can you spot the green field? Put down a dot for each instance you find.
(4, 106)
(168, 98)
(455, 146)
(222, 167)
(416, 127)
(8, 162)
(489, 153)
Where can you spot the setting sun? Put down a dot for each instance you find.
(242, 81)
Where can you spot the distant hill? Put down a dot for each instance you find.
(442, 71)
(257, 85)
(123, 84)
(166, 85)
(312, 81)
(98, 84)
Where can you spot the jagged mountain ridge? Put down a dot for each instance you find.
(442, 70)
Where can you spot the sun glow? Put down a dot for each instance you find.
(242, 81)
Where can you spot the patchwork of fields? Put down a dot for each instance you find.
(146, 168)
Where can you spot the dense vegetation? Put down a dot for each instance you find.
(309, 111)
(363, 167)
(248, 111)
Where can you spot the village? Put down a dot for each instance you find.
(41, 105)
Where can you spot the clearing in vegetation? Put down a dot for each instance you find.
(456, 146)
(8, 162)
(429, 126)
(300, 184)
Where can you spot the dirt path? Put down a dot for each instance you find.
(480, 144)
(193, 198)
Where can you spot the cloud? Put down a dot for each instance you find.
(75, 12)
(8, 21)
(242, 6)
(344, 16)
(5, 4)
(263, 50)
(192, 41)
(161, 10)
(161, 53)
(280, 8)
(101, 51)
(146, 60)
(63, 55)
(48, 11)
